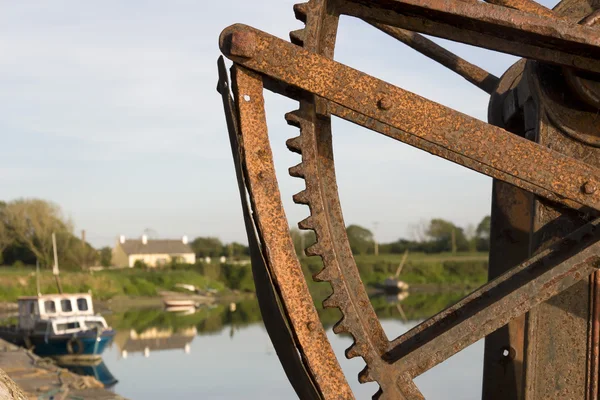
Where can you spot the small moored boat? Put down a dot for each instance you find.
(59, 325)
(179, 303)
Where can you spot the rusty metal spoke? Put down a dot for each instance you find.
(499, 301)
(490, 26)
(521, 162)
(529, 6)
(276, 322)
(471, 72)
(272, 228)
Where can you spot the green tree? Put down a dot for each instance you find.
(483, 234)
(207, 247)
(6, 238)
(31, 223)
(235, 249)
(446, 236)
(360, 239)
(105, 255)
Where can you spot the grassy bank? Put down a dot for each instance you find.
(466, 269)
(457, 270)
(104, 284)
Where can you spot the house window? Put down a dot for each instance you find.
(82, 304)
(50, 306)
(66, 305)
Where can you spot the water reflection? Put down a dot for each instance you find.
(224, 352)
(96, 368)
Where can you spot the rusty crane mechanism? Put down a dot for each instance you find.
(540, 310)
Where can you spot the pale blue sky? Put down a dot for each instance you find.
(110, 110)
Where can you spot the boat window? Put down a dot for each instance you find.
(94, 324)
(66, 305)
(50, 306)
(67, 325)
(82, 304)
(31, 307)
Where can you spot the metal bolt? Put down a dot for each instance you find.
(589, 187)
(384, 103)
(243, 44)
(311, 326)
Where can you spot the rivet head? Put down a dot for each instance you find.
(589, 187)
(311, 326)
(243, 44)
(384, 103)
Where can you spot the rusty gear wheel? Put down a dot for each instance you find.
(314, 144)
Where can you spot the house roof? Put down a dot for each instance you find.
(160, 246)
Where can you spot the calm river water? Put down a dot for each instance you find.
(223, 354)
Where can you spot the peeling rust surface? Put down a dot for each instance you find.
(279, 250)
(472, 73)
(275, 320)
(498, 153)
(545, 193)
(493, 27)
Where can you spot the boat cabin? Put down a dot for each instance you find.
(72, 309)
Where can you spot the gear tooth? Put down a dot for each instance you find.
(306, 223)
(293, 118)
(341, 327)
(297, 37)
(300, 11)
(324, 275)
(314, 250)
(297, 171)
(353, 351)
(364, 376)
(301, 197)
(332, 301)
(294, 144)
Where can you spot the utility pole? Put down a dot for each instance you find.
(83, 252)
(55, 267)
(375, 224)
(453, 241)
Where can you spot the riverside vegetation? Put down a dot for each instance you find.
(441, 254)
(461, 270)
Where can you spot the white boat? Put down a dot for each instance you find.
(179, 303)
(59, 325)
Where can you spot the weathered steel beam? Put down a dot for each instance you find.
(484, 148)
(490, 26)
(273, 230)
(275, 320)
(504, 298)
(471, 72)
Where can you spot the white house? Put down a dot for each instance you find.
(153, 252)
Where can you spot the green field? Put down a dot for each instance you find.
(438, 270)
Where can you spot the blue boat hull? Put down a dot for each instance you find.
(84, 344)
(58, 346)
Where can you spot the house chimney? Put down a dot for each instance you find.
(144, 239)
(184, 239)
(122, 239)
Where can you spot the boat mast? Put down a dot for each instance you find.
(55, 267)
(37, 276)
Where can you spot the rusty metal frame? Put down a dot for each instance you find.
(325, 88)
(398, 113)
